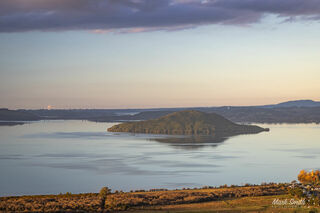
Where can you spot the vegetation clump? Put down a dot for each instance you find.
(312, 177)
(52, 203)
(309, 187)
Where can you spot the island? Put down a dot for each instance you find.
(188, 122)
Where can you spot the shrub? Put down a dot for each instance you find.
(312, 177)
(296, 192)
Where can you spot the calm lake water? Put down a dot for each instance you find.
(49, 157)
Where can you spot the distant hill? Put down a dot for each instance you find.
(16, 115)
(189, 122)
(298, 111)
(296, 103)
(270, 115)
(146, 115)
(70, 114)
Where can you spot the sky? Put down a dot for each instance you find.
(157, 53)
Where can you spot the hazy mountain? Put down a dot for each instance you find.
(189, 122)
(296, 103)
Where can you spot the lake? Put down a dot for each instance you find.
(51, 157)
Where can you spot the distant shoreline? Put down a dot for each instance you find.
(251, 114)
(17, 123)
(11, 123)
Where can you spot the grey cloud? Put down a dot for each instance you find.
(281, 7)
(112, 15)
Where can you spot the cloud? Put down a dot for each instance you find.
(142, 15)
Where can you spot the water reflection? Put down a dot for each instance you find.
(176, 141)
(190, 142)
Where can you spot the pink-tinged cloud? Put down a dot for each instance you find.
(144, 15)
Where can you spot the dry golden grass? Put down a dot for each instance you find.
(51, 203)
(246, 204)
(122, 201)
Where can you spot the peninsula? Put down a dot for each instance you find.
(189, 122)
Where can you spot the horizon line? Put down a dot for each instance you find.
(154, 108)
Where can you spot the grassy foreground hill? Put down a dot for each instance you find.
(258, 198)
(189, 122)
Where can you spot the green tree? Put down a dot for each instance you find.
(104, 191)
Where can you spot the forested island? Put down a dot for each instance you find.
(189, 122)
